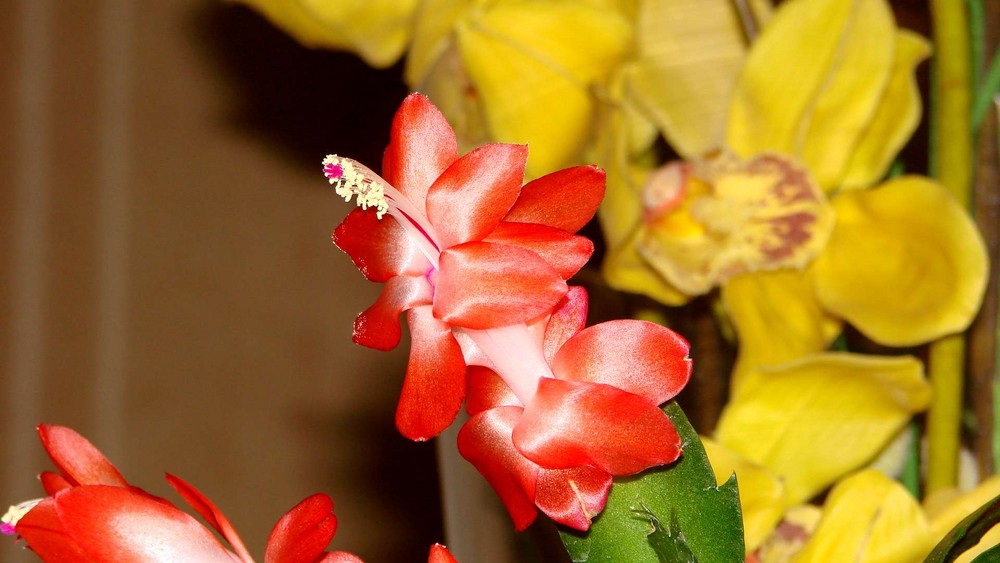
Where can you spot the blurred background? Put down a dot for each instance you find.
(169, 288)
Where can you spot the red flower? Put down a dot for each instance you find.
(468, 248)
(93, 514)
(596, 416)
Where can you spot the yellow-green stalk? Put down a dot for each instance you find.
(952, 157)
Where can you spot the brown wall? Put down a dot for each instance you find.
(169, 288)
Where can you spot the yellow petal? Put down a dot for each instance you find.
(689, 54)
(626, 270)
(812, 81)
(377, 30)
(896, 116)
(761, 493)
(869, 518)
(814, 420)
(947, 508)
(905, 263)
(777, 319)
(533, 66)
(623, 146)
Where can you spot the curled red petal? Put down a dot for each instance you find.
(303, 533)
(379, 248)
(117, 524)
(575, 424)
(42, 530)
(485, 442)
(471, 197)
(53, 482)
(640, 357)
(435, 378)
(80, 462)
(566, 252)
(566, 199)
(421, 146)
(486, 390)
(212, 515)
(485, 285)
(440, 554)
(378, 326)
(573, 496)
(568, 318)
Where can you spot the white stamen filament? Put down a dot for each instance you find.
(372, 191)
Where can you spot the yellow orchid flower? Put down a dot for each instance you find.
(826, 95)
(519, 72)
(378, 31)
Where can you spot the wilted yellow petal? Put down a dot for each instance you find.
(905, 263)
(812, 81)
(689, 54)
(377, 30)
(896, 116)
(761, 493)
(869, 518)
(813, 420)
(777, 319)
(533, 66)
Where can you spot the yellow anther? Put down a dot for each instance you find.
(350, 178)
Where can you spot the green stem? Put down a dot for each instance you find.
(953, 164)
(989, 88)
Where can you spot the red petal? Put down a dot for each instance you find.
(568, 318)
(473, 195)
(567, 253)
(339, 557)
(486, 390)
(301, 535)
(53, 482)
(566, 199)
(485, 442)
(572, 496)
(121, 525)
(640, 357)
(440, 554)
(378, 326)
(485, 285)
(379, 248)
(574, 424)
(435, 378)
(44, 533)
(210, 513)
(422, 145)
(78, 460)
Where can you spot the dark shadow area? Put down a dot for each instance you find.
(305, 103)
(396, 474)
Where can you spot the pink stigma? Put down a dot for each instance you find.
(7, 529)
(333, 171)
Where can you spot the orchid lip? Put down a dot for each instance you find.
(351, 178)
